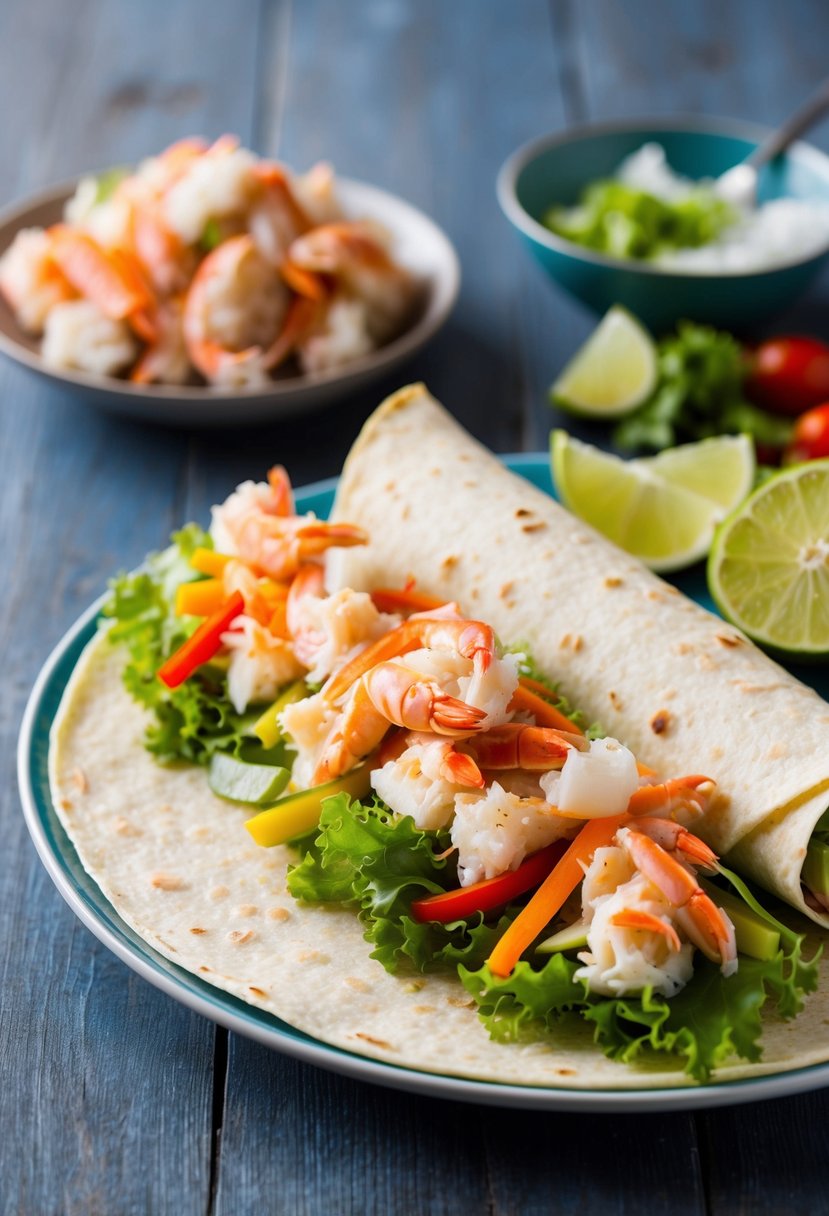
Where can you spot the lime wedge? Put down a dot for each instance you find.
(720, 469)
(613, 372)
(668, 526)
(769, 565)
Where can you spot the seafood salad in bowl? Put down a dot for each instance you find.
(359, 808)
(209, 267)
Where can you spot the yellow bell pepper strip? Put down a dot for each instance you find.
(202, 645)
(208, 561)
(550, 896)
(526, 698)
(266, 728)
(300, 813)
(201, 598)
(489, 893)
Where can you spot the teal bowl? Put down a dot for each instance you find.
(555, 169)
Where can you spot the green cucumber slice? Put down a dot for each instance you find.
(573, 937)
(755, 937)
(238, 781)
(815, 872)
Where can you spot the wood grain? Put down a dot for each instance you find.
(115, 1099)
(106, 1101)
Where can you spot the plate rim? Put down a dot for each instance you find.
(445, 288)
(310, 1050)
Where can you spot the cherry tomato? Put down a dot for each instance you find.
(810, 440)
(789, 375)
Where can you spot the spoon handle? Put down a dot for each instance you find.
(803, 118)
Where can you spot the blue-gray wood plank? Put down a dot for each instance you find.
(113, 1098)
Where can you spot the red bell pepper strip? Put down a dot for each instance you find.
(202, 645)
(489, 893)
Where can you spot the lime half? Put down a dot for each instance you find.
(666, 524)
(613, 372)
(769, 565)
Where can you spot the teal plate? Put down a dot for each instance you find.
(83, 896)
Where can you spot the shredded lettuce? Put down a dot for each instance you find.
(367, 857)
(614, 218)
(197, 719)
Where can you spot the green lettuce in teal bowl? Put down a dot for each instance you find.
(555, 169)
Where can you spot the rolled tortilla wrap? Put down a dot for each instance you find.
(686, 691)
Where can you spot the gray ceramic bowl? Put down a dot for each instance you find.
(556, 168)
(418, 244)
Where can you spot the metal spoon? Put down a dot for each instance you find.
(739, 185)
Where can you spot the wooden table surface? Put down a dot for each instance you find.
(113, 1098)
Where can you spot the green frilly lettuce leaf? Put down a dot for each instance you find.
(366, 857)
(197, 719)
(711, 1019)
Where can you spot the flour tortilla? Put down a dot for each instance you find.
(684, 690)
(179, 867)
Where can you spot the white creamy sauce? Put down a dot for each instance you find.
(777, 233)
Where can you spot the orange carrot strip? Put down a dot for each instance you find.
(544, 713)
(201, 598)
(550, 896)
(534, 686)
(208, 561)
(644, 770)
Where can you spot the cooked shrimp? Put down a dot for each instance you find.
(265, 600)
(338, 334)
(469, 639)
(495, 831)
(391, 694)
(276, 218)
(316, 194)
(267, 266)
(110, 279)
(169, 263)
(326, 630)
(247, 525)
(109, 221)
(672, 797)
(216, 184)
(234, 312)
(423, 780)
(518, 745)
(353, 254)
(165, 359)
(632, 942)
(705, 924)
(81, 338)
(30, 280)
(260, 663)
(158, 173)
